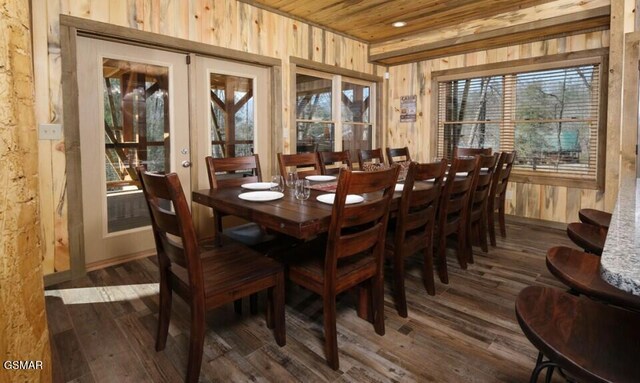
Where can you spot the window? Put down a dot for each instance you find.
(330, 106)
(550, 116)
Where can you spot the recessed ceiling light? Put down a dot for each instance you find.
(399, 24)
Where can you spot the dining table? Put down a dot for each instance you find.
(301, 219)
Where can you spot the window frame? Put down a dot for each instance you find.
(565, 60)
(337, 76)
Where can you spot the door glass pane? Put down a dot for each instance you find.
(136, 125)
(232, 115)
(314, 127)
(355, 102)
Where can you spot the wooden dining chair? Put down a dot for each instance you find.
(232, 172)
(581, 273)
(204, 279)
(393, 153)
(310, 162)
(588, 340)
(453, 213)
(470, 152)
(366, 156)
(413, 229)
(477, 223)
(331, 158)
(498, 195)
(352, 253)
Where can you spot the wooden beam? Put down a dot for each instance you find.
(536, 23)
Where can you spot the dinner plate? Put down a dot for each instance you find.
(328, 198)
(321, 178)
(400, 187)
(258, 185)
(261, 196)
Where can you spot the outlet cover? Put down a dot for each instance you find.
(50, 132)
(509, 194)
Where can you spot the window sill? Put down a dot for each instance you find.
(553, 180)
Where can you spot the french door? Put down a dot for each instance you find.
(133, 109)
(231, 105)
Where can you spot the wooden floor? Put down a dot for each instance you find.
(103, 327)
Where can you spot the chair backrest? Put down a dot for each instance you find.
(222, 172)
(418, 207)
(398, 152)
(457, 189)
(170, 214)
(462, 152)
(501, 175)
(480, 195)
(361, 227)
(365, 156)
(330, 158)
(300, 160)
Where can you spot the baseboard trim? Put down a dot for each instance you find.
(118, 260)
(535, 221)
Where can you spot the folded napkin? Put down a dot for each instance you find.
(325, 187)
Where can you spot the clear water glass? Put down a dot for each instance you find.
(303, 189)
(292, 177)
(277, 184)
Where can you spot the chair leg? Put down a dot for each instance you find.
(164, 313)
(470, 241)
(427, 277)
(330, 332)
(492, 227)
(364, 302)
(482, 233)
(443, 274)
(237, 306)
(503, 228)
(253, 304)
(398, 284)
(462, 252)
(278, 311)
(378, 303)
(196, 344)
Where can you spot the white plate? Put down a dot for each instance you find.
(400, 187)
(261, 196)
(462, 174)
(321, 178)
(258, 185)
(328, 198)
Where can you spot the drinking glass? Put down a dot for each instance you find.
(277, 184)
(292, 177)
(303, 189)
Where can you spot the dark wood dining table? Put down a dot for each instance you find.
(301, 219)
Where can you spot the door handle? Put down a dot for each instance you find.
(186, 164)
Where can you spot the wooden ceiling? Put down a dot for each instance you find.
(370, 20)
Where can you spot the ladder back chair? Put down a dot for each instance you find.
(414, 224)
(470, 152)
(478, 202)
(454, 211)
(393, 153)
(370, 156)
(300, 160)
(352, 253)
(331, 158)
(498, 194)
(204, 279)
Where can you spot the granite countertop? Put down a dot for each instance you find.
(620, 261)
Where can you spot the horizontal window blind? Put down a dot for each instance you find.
(550, 117)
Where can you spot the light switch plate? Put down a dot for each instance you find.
(509, 194)
(50, 132)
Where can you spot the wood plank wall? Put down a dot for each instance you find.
(225, 23)
(553, 203)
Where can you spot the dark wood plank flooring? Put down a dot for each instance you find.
(103, 327)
